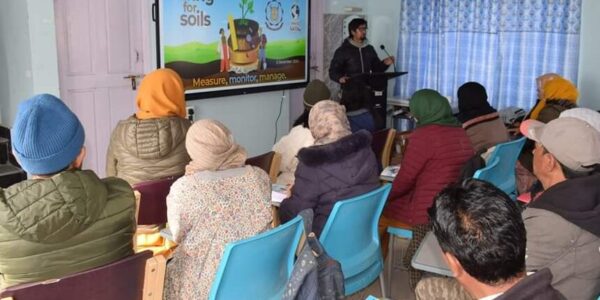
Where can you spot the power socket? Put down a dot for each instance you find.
(190, 112)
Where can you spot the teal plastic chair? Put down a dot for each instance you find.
(490, 172)
(504, 174)
(350, 237)
(258, 267)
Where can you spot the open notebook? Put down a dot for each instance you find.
(389, 173)
(278, 193)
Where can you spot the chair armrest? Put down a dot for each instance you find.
(154, 278)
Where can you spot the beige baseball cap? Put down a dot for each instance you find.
(574, 143)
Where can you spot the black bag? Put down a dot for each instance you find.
(474, 163)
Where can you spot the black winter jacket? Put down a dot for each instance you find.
(329, 173)
(349, 60)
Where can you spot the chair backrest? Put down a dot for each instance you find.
(350, 235)
(382, 144)
(260, 266)
(490, 172)
(508, 153)
(152, 208)
(123, 279)
(269, 162)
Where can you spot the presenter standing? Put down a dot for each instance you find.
(356, 61)
(356, 55)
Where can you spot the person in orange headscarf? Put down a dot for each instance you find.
(151, 143)
(555, 94)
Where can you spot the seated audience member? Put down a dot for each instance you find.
(356, 99)
(563, 223)
(150, 144)
(340, 165)
(300, 136)
(63, 220)
(482, 235)
(435, 154)
(219, 200)
(478, 118)
(555, 95)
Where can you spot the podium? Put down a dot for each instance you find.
(377, 82)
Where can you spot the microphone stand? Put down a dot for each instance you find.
(388, 54)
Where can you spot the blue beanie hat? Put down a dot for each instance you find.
(46, 135)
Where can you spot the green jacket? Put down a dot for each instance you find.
(65, 224)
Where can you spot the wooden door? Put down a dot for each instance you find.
(99, 43)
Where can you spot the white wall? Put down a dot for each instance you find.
(589, 57)
(16, 76)
(250, 117)
(42, 36)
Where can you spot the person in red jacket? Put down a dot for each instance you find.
(435, 154)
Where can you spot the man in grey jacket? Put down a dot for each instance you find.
(563, 224)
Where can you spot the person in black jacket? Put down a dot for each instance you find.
(356, 56)
(340, 165)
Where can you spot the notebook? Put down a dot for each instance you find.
(278, 193)
(389, 173)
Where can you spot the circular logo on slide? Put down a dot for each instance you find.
(274, 15)
(295, 11)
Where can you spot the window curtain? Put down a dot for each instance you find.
(502, 44)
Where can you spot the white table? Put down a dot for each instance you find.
(429, 257)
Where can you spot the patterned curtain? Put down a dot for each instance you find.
(502, 44)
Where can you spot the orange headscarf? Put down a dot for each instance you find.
(161, 94)
(557, 88)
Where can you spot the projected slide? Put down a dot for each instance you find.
(234, 46)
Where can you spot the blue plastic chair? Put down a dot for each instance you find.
(350, 237)
(504, 174)
(489, 172)
(258, 267)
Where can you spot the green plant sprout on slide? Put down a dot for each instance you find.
(199, 53)
(247, 7)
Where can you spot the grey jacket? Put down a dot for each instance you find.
(563, 234)
(143, 150)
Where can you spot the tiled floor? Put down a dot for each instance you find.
(398, 285)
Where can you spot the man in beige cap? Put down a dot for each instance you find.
(563, 224)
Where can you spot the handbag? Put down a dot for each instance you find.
(316, 275)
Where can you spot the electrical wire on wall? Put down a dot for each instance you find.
(278, 115)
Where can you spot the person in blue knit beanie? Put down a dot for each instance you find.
(63, 220)
(47, 137)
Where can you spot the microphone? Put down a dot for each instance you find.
(388, 54)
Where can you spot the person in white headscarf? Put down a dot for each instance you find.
(218, 200)
(340, 165)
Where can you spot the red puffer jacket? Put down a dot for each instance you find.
(433, 159)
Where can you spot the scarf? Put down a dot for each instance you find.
(328, 122)
(472, 102)
(212, 148)
(555, 89)
(161, 94)
(429, 107)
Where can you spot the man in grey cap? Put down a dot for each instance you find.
(563, 223)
